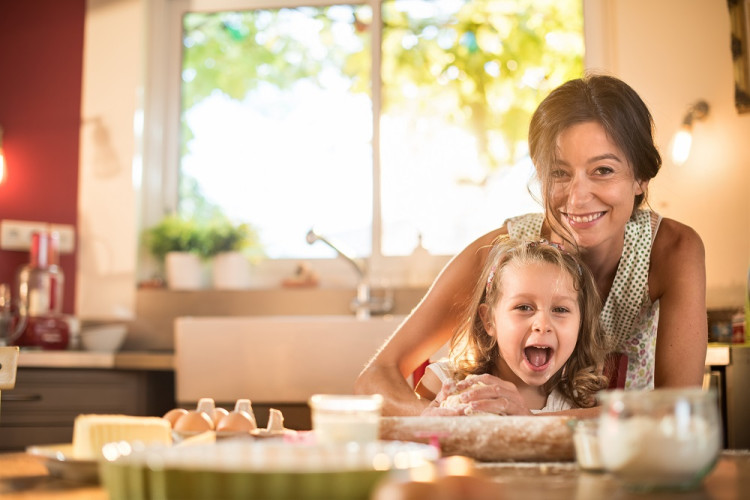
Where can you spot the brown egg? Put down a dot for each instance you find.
(194, 421)
(236, 421)
(217, 414)
(172, 416)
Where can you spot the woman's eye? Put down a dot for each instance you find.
(604, 170)
(558, 174)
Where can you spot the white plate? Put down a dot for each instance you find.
(58, 458)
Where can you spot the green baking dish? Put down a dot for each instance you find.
(248, 468)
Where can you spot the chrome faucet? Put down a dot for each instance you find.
(364, 304)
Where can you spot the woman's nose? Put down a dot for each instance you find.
(579, 191)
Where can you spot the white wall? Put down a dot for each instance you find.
(107, 208)
(672, 52)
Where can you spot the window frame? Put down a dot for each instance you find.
(155, 174)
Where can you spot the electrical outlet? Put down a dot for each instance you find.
(67, 237)
(16, 234)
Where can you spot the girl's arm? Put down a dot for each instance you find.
(430, 325)
(677, 278)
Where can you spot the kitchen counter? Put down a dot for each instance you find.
(123, 360)
(717, 355)
(23, 476)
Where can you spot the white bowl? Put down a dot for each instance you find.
(107, 338)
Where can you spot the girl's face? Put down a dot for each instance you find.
(594, 187)
(535, 321)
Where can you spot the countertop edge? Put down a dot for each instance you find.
(126, 360)
(717, 354)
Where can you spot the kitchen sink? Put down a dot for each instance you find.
(273, 359)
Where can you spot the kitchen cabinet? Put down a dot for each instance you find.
(729, 369)
(43, 406)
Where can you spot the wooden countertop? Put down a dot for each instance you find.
(123, 360)
(23, 476)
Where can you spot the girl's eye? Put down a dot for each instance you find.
(561, 310)
(523, 307)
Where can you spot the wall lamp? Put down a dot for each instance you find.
(683, 139)
(2, 156)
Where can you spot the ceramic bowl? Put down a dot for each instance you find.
(107, 338)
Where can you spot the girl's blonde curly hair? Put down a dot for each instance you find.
(474, 351)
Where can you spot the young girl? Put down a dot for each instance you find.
(533, 322)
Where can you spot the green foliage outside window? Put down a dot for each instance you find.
(496, 48)
(483, 68)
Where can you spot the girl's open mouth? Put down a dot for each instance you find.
(538, 356)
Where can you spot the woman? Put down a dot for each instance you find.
(592, 145)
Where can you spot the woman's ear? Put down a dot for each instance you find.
(640, 187)
(485, 313)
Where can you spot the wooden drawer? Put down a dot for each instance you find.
(42, 407)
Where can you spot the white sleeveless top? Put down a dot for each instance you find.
(629, 318)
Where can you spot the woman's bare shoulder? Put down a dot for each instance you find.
(678, 253)
(674, 237)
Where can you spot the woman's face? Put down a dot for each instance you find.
(593, 185)
(535, 321)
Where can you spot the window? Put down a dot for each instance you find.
(297, 115)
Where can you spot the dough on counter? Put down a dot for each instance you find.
(454, 402)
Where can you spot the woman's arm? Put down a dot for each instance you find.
(430, 325)
(677, 278)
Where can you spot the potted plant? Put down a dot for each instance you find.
(231, 246)
(179, 244)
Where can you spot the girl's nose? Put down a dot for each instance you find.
(541, 323)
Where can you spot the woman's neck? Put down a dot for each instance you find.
(603, 262)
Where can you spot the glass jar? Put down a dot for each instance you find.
(586, 443)
(343, 418)
(665, 439)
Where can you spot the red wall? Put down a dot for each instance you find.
(41, 61)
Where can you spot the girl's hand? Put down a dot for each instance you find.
(492, 395)
(434, 409)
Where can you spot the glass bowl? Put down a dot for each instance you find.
(665, 439)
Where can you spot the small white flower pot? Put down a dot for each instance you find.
(184, 271)
(231, 271)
